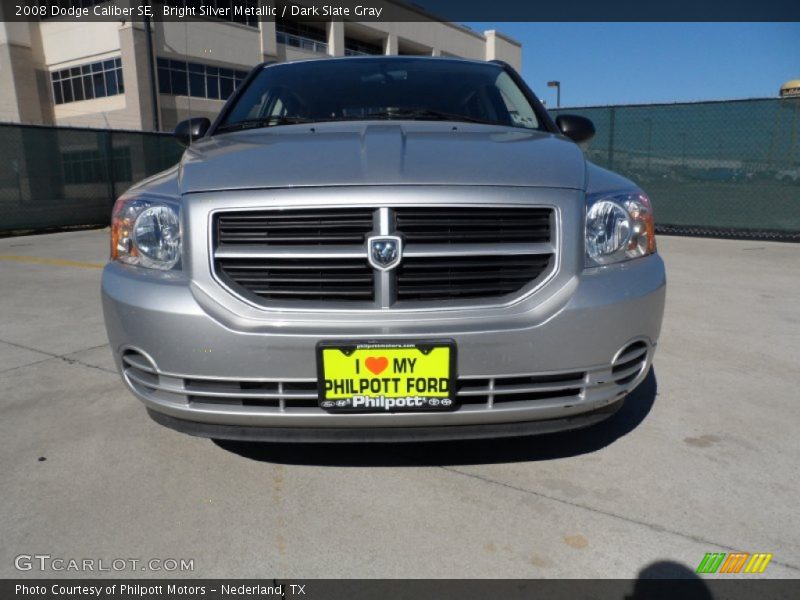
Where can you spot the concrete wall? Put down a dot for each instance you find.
(444, 37)
(19, 94)
(110, 113)
(69, 43)
(289, 53)
(501, 47)
(19, 90)
(212, 42)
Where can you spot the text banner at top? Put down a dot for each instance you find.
(250, 11)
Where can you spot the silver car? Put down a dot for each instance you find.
(383, 249)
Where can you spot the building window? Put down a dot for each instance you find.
(300, 35)
(358, 48)
(230, 14)
(85, 82)
(179, 78)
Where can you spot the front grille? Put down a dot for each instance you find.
(473, 225)
(302, 257)
(603, 384)
(301, 396)
(300, 279)
(442, 278)
(295, 227)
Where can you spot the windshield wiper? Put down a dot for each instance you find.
(426, 113)
(399, 113)
(264, 122)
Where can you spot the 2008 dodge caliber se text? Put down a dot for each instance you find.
(383, 248)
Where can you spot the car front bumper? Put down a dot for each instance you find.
(575, 350)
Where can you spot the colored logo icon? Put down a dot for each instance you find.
(734, 562)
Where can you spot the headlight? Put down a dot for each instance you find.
(146, 233)
(618, 227)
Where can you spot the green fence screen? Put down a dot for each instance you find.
(712, 168)
(57, 177)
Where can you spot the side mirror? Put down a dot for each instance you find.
(578, 129)
(191, 130)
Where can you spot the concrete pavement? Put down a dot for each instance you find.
(704, 457)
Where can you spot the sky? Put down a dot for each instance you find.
(629, 63)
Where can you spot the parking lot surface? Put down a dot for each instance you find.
(704, 456)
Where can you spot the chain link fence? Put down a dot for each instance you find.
(728, 169)
(57, 177)
(713, 168)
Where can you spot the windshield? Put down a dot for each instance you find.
(381, 88)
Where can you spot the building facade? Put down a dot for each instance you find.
(97, 74)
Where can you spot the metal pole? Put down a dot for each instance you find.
(152, 72)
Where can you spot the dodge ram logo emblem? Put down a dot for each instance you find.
(385, 252)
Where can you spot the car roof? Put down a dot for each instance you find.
(386, 57)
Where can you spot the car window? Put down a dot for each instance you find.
(518, 107)
(383, 89)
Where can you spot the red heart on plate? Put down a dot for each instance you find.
(376, 364)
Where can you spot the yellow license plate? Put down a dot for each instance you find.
(386, 376)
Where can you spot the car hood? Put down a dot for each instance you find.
(385, 153)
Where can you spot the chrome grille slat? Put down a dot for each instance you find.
(315, 292)
(301, 280)
(280, 258)
(473, 249)
(297, 252)
(410, 251)
(245, 265)
(435, 276)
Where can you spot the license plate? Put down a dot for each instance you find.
(386, 376)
